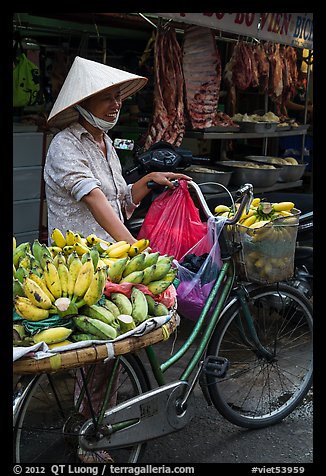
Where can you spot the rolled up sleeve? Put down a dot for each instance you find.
(83, 187)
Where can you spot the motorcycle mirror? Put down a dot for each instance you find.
(123, 144)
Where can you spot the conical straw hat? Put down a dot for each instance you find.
(86, 78)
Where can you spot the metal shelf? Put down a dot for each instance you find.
(243, 135)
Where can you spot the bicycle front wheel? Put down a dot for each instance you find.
(259, 388)
(48, 424)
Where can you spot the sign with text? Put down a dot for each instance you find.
(295, 29)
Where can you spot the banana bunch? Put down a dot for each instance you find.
(44, 284)
(259, 214)
(73, 241)
(151, 269)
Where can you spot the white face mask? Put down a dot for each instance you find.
(96, 121)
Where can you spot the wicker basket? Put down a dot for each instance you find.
(267, 253)
(94, 353)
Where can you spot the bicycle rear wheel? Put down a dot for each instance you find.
(257, 391)
(48, 424)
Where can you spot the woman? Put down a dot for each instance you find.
(84, 186)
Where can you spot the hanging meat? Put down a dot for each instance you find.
(290, 76)
(262, 67)
(168, 116)
(202, 74)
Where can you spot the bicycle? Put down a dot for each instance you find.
(253, 363)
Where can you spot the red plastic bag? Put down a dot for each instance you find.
(172, 223)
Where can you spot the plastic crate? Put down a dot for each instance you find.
(266, 254)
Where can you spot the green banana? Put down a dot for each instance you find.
(151, 258)
(80, 336)
(110, 306)
(99, 329)
(99, 312)
(135, 264)
(149, 274)
(136, 277)
(122, 302)
(17, 288)
(151, 304)
(20, 252)
(126, 323)
(160, 309)
(85, 256)
(20, 273)
(165, 259)
(95, 255)
(157, 287)
(139, 305)
(116, 269)
(160, 271)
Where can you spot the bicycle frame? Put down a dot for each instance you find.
(181, 388)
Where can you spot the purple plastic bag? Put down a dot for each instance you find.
(194, 288)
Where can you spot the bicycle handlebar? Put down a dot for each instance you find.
(245, 192)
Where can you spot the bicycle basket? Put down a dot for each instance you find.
(266, 254)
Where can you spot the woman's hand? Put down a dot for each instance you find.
(140, 190)
(164, 178)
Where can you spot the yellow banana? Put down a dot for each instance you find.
(92, 239)
(80, 248)
(60, 344)
(41, 282)
(55, 250)
(70, 238)
(220, 209)
(96, 288)
(249, 221)
(74, 267)
(118, 251)
(36, 294)
(63, 273)
(14, 243)
(68, 249)
(247, 215)
(52, 335)
(59, 257)
(138, 247)
(84, 279)
(255, 202)
(58, 238)
(26, 309)
(115, 245)
(283, 206)
(52, 279)
(259, 224)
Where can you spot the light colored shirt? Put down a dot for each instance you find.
(74, 166)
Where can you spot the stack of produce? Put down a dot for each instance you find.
(267, 233)
(58, 290)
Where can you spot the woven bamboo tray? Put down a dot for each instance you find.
(95, 353)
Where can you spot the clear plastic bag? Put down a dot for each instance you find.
(195, 286)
